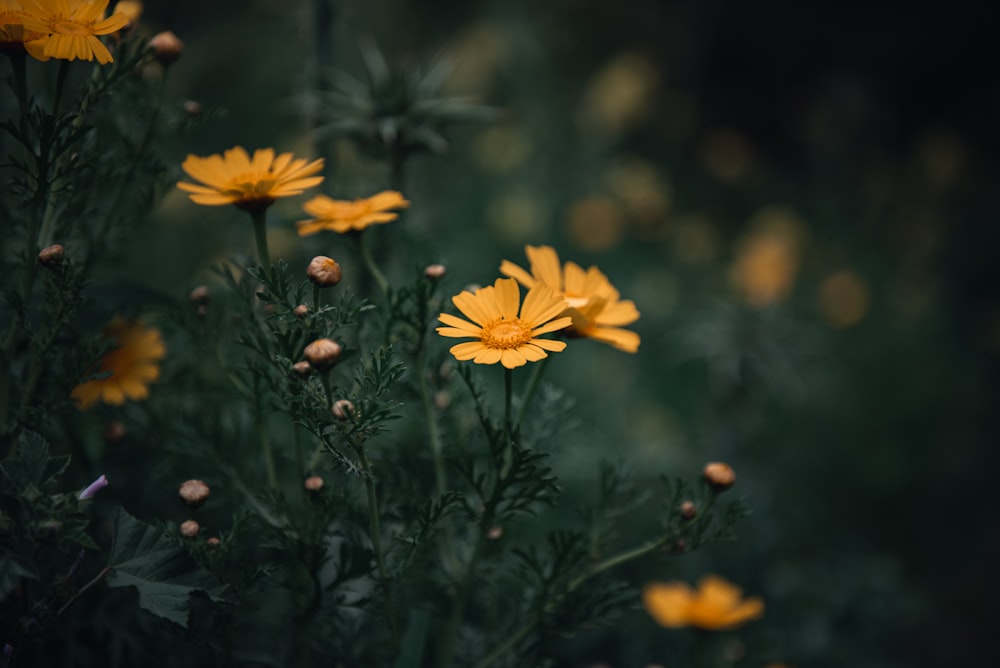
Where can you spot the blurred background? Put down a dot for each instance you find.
(801, 198)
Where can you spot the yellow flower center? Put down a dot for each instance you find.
(70, 28)
(504, 334)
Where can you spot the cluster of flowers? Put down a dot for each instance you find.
(63, 29)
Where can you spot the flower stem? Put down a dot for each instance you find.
(376, 536)
(508, 429)
(260, 232)
(529, 393)
(366, 256)
(433, 434)
(100, 576)
(265, 444)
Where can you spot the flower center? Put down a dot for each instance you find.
(504, 334)
(70, 28)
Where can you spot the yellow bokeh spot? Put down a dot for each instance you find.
(501, 149)
(644, 192)
(595, 223)
(843, 299)
(619, 95)
(695, 239)
(767, 258)
(727, 155)
(516, 217)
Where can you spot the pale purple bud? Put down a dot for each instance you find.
(93, 488)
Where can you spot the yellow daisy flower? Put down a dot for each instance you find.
(343, 215)
(70, 29)
(503, 335)
(251, 184)
(132, 364)
(592, 302)
(12, 33)
(716, 605)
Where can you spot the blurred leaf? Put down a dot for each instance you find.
(30, 468)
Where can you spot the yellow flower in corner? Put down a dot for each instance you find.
(250, 184)
(132, 364)
(502, 335)
(12, 33)
(344, 215)
(70, 29)
(716, 605)
(592, 302)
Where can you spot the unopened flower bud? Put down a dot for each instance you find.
(301, 311)
(494, 533)
(313, 483)
(688, 510)
(93, 488)
(52, 256)
(194, 493)
(302, 369)
(342, 409)
(435, 271)
(720, 476)
(114, 432)
(442, 400)
(192, 108)
(166, 47)
(199, 296)
(190, 529)
(213, 542)
(324, 271)
(322, 354)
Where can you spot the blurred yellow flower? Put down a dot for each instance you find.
(12, 33)
(70, 29)
(768, 258)
(130, 8)
(131, 363)
(344, 215)
(590, 299)
(251, 184)
(503, 335)
(717, 604)
(843, 299)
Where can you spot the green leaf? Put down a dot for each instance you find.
(30, 467)
(162, 572)
(11, 573)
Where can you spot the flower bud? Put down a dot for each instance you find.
(213, 542)
(342, 409)
(302, 369)
(52, 256)
(93, 488)
(322, 354)
(301, 311)
(199, 296)
(324, 271)
(194, 493)
(192, 108)
(114, 432)
(688, 510)
(720, 476)
(313, 483)
(166, 47)
(435, 271)
(190, 529)
(495, 533)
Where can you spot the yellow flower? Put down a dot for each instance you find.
(503, 335)
(342, 215)
(716, 605)
(592, 302)
(132, 365)
(12, 33)
(251, 184)
(70, 29)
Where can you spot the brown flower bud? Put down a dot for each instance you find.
(302, 369)
(313, 483)
(688, 510)
(301, 311)
(114, 432)
(194, 493)
(199, 296)
(324, 271)
(192, 108)
(322, 354)
(214, 541)
(494, 533)
(720, 476)
(52, 256)
(190, 529)
(166, 47)
(342, 409)
(435, 271)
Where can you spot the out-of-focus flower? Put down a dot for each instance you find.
(715, 605)
(130, 8)
(70, 29)
(324, 271)
(342, 409)
(250, 184)
(591, 301)
(595, 223)
(435, 272)
(843, 299)
(768, 258)
(313, 483)
(93, 488)
(194, 492)
(166, 47)
(131, 365)
(619, 95)
(52, 256)
(503, 335)
(344, 215)
(190, 529)
(719, 475)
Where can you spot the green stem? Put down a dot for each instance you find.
(433, 433)
(316, 298)
(18, 63)
(529, 393)
(370, 264)
(259, 219)
(265, 445)
(100, 576)
(60, 84)
(508, 429)
(376, 536)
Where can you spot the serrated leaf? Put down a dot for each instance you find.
(30, 466)
(161, 571)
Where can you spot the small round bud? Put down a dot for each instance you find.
(192, 108)
(322, 354)
(166, 47)
(190, 529)
(720, 476)
(324, 271)
(52, 256)
(214, 542)
(194, 493)
(442, 400)
(114, 432)
(688, 510)
(199, 296)
(342, 409)
(301, 311)
(494, 533)
(435, 271)
(313, 483)
(302, 369)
